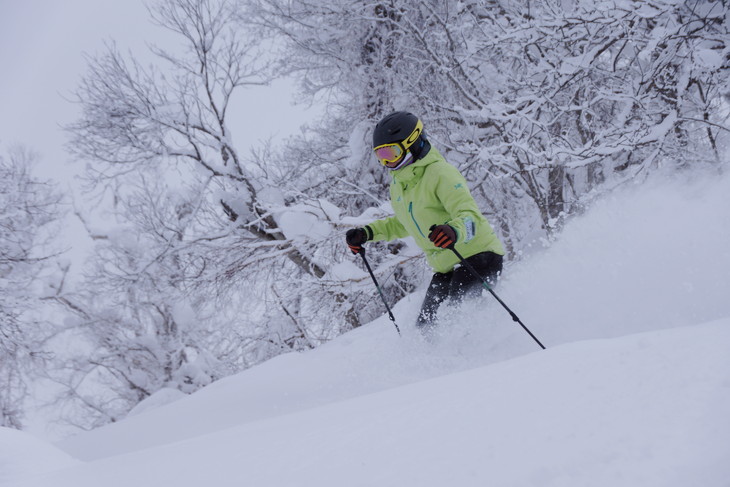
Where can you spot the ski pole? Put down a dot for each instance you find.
(489, 288)
(380, 291)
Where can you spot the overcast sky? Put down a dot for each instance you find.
(42, 49)
(42, 46)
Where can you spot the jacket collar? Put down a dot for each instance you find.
(414, 171)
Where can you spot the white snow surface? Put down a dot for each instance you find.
(633, 389)
(22, 455)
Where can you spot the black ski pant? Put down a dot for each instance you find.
(458, 284)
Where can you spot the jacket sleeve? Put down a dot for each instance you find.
(453, 192)
(386, 229)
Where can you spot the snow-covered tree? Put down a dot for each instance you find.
(30, 208)
(136, 329)
(540, 104)
(195, 226)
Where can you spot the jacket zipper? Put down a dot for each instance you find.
(413, 217)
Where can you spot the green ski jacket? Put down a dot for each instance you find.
(433, 192)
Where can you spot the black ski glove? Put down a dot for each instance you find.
(442, 236)
(355, 237)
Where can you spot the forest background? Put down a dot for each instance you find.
(207, 256)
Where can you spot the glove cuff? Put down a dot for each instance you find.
(368, 232)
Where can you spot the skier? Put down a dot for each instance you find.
(433, 205)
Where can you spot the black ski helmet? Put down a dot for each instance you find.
(397, 127)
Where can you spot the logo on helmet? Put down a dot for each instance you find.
(414, 135)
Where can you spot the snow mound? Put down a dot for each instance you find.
(647, 409)
(160, 398)
(22, 455)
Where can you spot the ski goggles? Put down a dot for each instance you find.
(392, 152)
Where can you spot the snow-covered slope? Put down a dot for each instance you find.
(482, 405)
(647, 409)
(23, 456)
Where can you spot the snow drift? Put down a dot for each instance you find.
(647, 409)
(634, 388)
